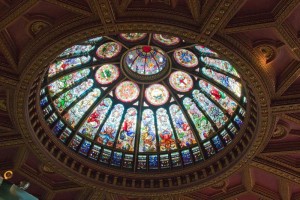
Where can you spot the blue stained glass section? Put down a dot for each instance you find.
(85, 147)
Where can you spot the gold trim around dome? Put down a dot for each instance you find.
(251, 138)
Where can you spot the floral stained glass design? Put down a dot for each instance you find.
(133, 37)
(166, 39)
(157, 94)
(108, 50)
(162, 104)
(107, 73)
(127, 91)
(181, 81)
(185, 58)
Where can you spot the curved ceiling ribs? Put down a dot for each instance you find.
(247, 21)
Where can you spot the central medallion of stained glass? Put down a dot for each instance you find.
(143, 101)
(145, 63)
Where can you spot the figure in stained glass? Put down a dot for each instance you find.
(110, 128)
(76, 112)
(201, 123)
(226, 102)
(128, 130)
(61, 65)
(64, 100)
(93, 122)
(148, 132)
(165, 131)
(183, 130)
(226, 81)
(214, 112)
(220, 64)
(66, 81)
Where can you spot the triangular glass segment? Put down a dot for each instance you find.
(172, 100)
(104, 88)
(145, 104)
(136, 103)
(180, 95)
(197, 70)
(111, 93)
(94, 59)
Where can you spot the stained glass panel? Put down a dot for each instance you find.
(226, 102)
(166, 39)
(62, 65)
(157, 94)
(77, 50)
(214, 112)
(109, 130)
(220, 64)
(182, 128)
(181, 81)
(201, 123)
(70, 96)
(148, 132)
(109, 50)
(128, 131)
(66, 81)
(185, 58)
(146, 60)
(133, 37)
(127, 91)
(224, 80)
(165, 131)
(205, 50)
(107, 73)
(93, 122)
(76, 112)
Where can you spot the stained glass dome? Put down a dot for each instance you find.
(142, 101)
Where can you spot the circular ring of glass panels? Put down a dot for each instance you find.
(186, 116)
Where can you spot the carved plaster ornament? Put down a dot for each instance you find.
(222, 185)
(37, 23)
(268, 49)
(282, 129)
(46, 169)
(3, 105)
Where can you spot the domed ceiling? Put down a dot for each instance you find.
(260, 39)
(143, 101)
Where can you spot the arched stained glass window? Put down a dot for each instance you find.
(143, 101)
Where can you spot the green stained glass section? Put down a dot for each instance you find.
(201, 123)
(65, 100)
(214, 112)
(67, 81)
